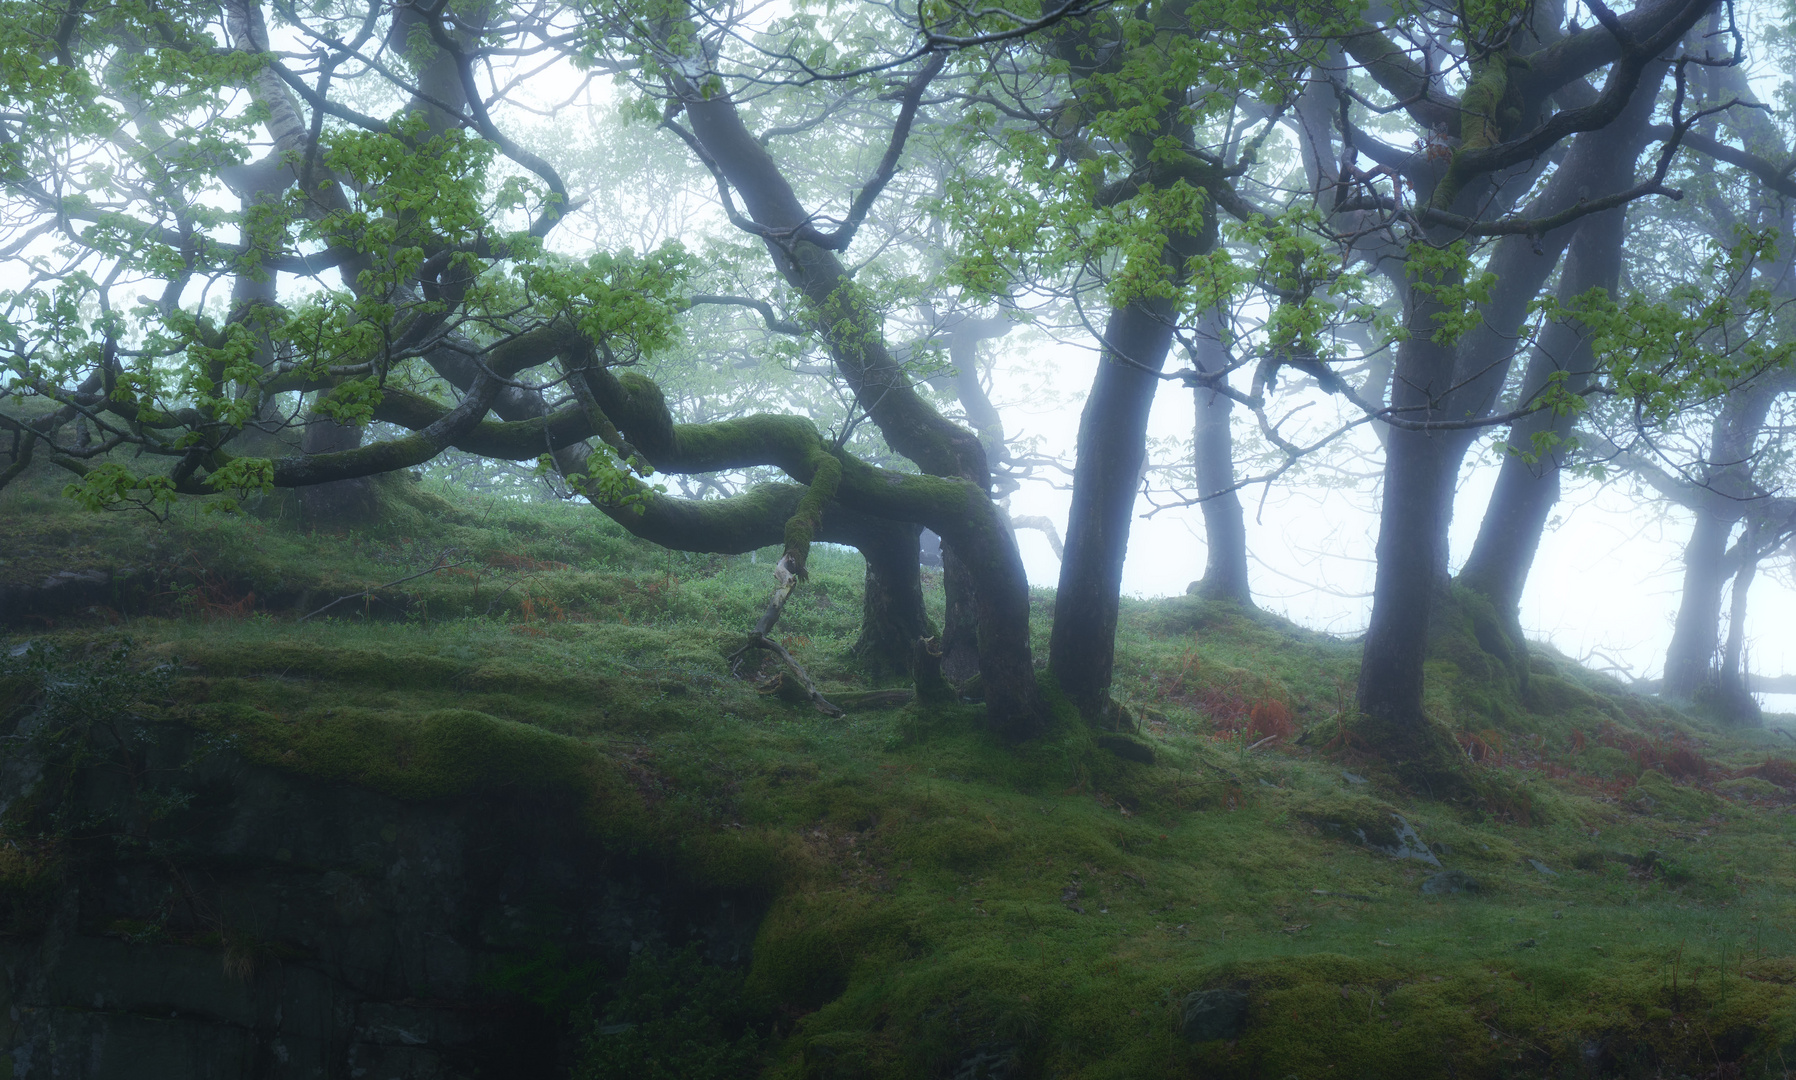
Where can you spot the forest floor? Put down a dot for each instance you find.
(1232, 889)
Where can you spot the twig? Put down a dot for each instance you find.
(439, 565)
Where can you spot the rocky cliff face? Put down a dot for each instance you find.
(211, 918)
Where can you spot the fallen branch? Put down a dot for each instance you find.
(784, 582)
(439, 565)
(876, 699)
(810, 688)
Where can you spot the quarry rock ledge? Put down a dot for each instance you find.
(302, 930)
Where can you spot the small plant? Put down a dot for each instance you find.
(82, 712)
(1270, 719)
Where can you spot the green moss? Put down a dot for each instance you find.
(30, 879)
(1751, 787)
(1655, 793)
(1608, 762)
(431, 755)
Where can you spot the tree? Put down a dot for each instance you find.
(457, 320)
(1498, 104)
(1724, 479)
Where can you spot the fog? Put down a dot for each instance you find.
(1604, 588)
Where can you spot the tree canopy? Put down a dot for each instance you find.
(725, 272)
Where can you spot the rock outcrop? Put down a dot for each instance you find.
(211, 918)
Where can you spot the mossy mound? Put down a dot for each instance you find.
(944, 904)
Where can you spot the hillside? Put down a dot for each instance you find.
(506, 812)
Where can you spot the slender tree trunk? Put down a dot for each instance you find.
(1690, 661)
(960, 621)
(964, 339)
(1720, 504)
(1213, 451)
(1112, 443)
(1528, 483)
(1733, 673)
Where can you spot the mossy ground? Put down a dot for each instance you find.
(940, 898)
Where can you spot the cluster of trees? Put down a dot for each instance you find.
(732, 274)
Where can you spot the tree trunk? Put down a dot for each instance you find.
(960, 632)
(1736, 701)
(850, 326)
(1412, 543)
(892, 614)
(340, 503)
(1437, 381)
(1726, 496)
(1690, 661)
(1528, 483)
(1112, 443)
(1213, 453)
(964, 339)
(960, 617)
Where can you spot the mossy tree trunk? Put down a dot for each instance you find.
(850, 327)
(338, 503)
(893, 619)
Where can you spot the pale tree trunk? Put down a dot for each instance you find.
(1213, 452)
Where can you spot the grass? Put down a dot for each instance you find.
(941, 900)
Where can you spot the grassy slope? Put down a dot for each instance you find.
(935, 892)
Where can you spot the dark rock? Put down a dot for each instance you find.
(1126, 748)
(71, 592)
(1448, 882)
(1215, 1014)
(289, 929)
(1395, 837)
(992, 1061)
(1403, 843)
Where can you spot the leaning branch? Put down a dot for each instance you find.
(774, 322)
(888, 164)
(440, 564)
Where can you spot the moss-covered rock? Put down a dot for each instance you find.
(1657, 794)
(1751, 787)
